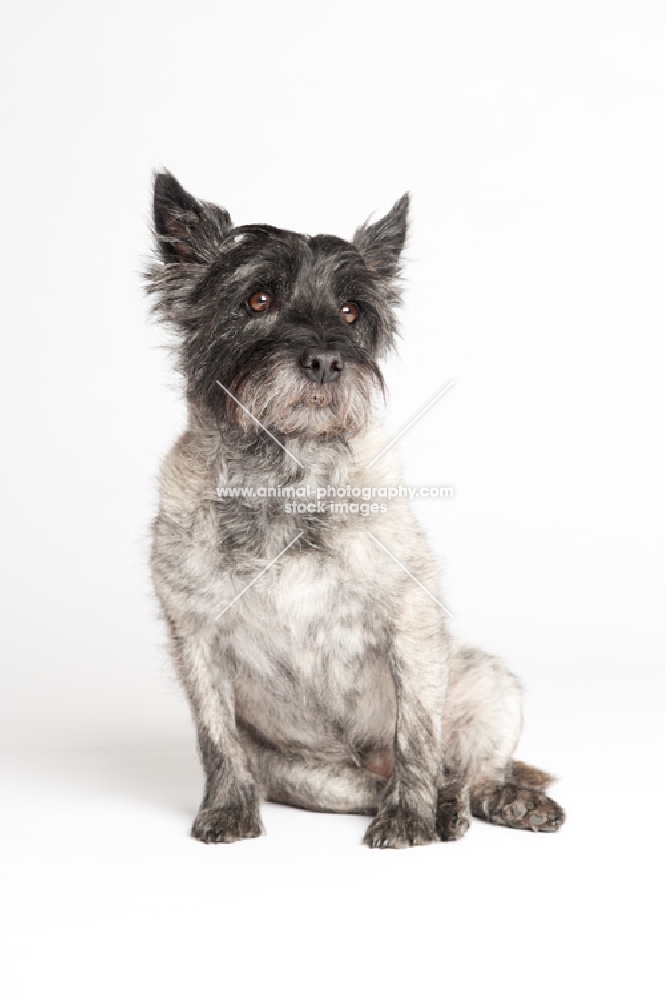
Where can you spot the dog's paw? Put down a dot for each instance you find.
(524, 809)
(453, 815)
(227, 824)
(534, 811)
(396, 826)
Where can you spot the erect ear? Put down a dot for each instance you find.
(187, 230)
(382, 242)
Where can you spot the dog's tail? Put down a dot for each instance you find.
(530, 777)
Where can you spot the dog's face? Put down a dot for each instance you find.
(292, 326)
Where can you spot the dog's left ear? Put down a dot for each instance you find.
(381, 243)
(187, 231)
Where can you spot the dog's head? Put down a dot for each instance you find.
(291, 326)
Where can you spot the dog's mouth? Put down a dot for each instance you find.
(319, 397)
(284, 401)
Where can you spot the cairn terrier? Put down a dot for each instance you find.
(310, 642)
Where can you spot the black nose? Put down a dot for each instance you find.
(321, 366)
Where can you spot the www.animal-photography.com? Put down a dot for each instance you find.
(333, 499)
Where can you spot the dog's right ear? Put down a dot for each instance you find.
(187, 231)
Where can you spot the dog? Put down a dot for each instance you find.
(311, 642)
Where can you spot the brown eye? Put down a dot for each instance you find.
(349, 312)
(258, 302)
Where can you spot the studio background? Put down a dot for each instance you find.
(531, 138)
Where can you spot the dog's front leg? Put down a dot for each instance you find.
(230, 807)
(407, 814)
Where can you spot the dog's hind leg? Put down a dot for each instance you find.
(517, 806)
(313, 783)
(482, 725)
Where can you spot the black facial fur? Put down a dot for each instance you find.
(205, 272)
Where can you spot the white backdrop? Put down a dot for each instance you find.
(531, 138)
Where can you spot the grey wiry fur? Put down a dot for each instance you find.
(332, 682)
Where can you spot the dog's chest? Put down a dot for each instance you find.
(316, 608)
(312, 650)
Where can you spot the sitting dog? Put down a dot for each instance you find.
(311, 642)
